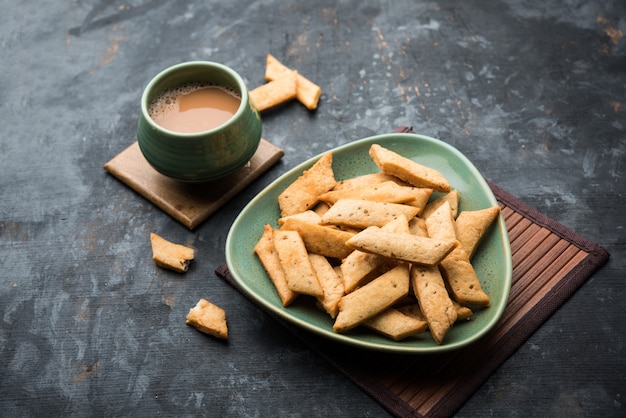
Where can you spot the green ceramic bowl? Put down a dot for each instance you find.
(492, 260)
(202, 156)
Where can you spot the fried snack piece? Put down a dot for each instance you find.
(294, 260)
(322, 240)
(440, 224)
(308, 93)
(303, 193)
(456, 266)
(453, 198)
(359, 265)
(356, 267)
(321, 208)
(373, 298)
(308, 216)
(363, 213)
(274, 93)
(472, 225)
(395, 325)
(421, 196)
(208, 318)
(404, 247)
(433, 300)
(417, 226)
(331, 283)
(366, 180)
(462, 312)
(462, 279)
(408, 170)
(388, 191)
(169, 255)
(413, 310)
(264, 249)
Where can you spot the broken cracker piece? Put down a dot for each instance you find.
(169, 255)
(208, 318)
(274, 93)
(308, 93)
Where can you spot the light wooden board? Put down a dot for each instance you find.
(190, 204)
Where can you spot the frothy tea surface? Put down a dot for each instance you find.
(193, 107)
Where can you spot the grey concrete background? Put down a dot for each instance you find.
(533, 93)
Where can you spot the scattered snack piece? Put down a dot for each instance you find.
(462, 280)
(274, 93)
(472, 225)
(169, 255)
(208, 318)
(322, 240)
(304, 193)
(408, 170)
(266, 252)
(294, 260)
(433, 300)
(372, 299)
(404, 247)
(395, 325)
(308, 93)
(331, 283)
(363, 213)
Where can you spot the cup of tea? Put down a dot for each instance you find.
(197, 123)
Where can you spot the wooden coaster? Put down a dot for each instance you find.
(190, 204)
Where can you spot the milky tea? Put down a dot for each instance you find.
(193, 107)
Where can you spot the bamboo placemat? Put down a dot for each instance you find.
(550, 262)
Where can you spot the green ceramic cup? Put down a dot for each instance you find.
(201, 156)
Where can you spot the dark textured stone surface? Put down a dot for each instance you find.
(533, 93)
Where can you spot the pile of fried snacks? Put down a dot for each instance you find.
(378, 250)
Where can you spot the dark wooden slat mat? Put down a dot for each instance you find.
(550, 262)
